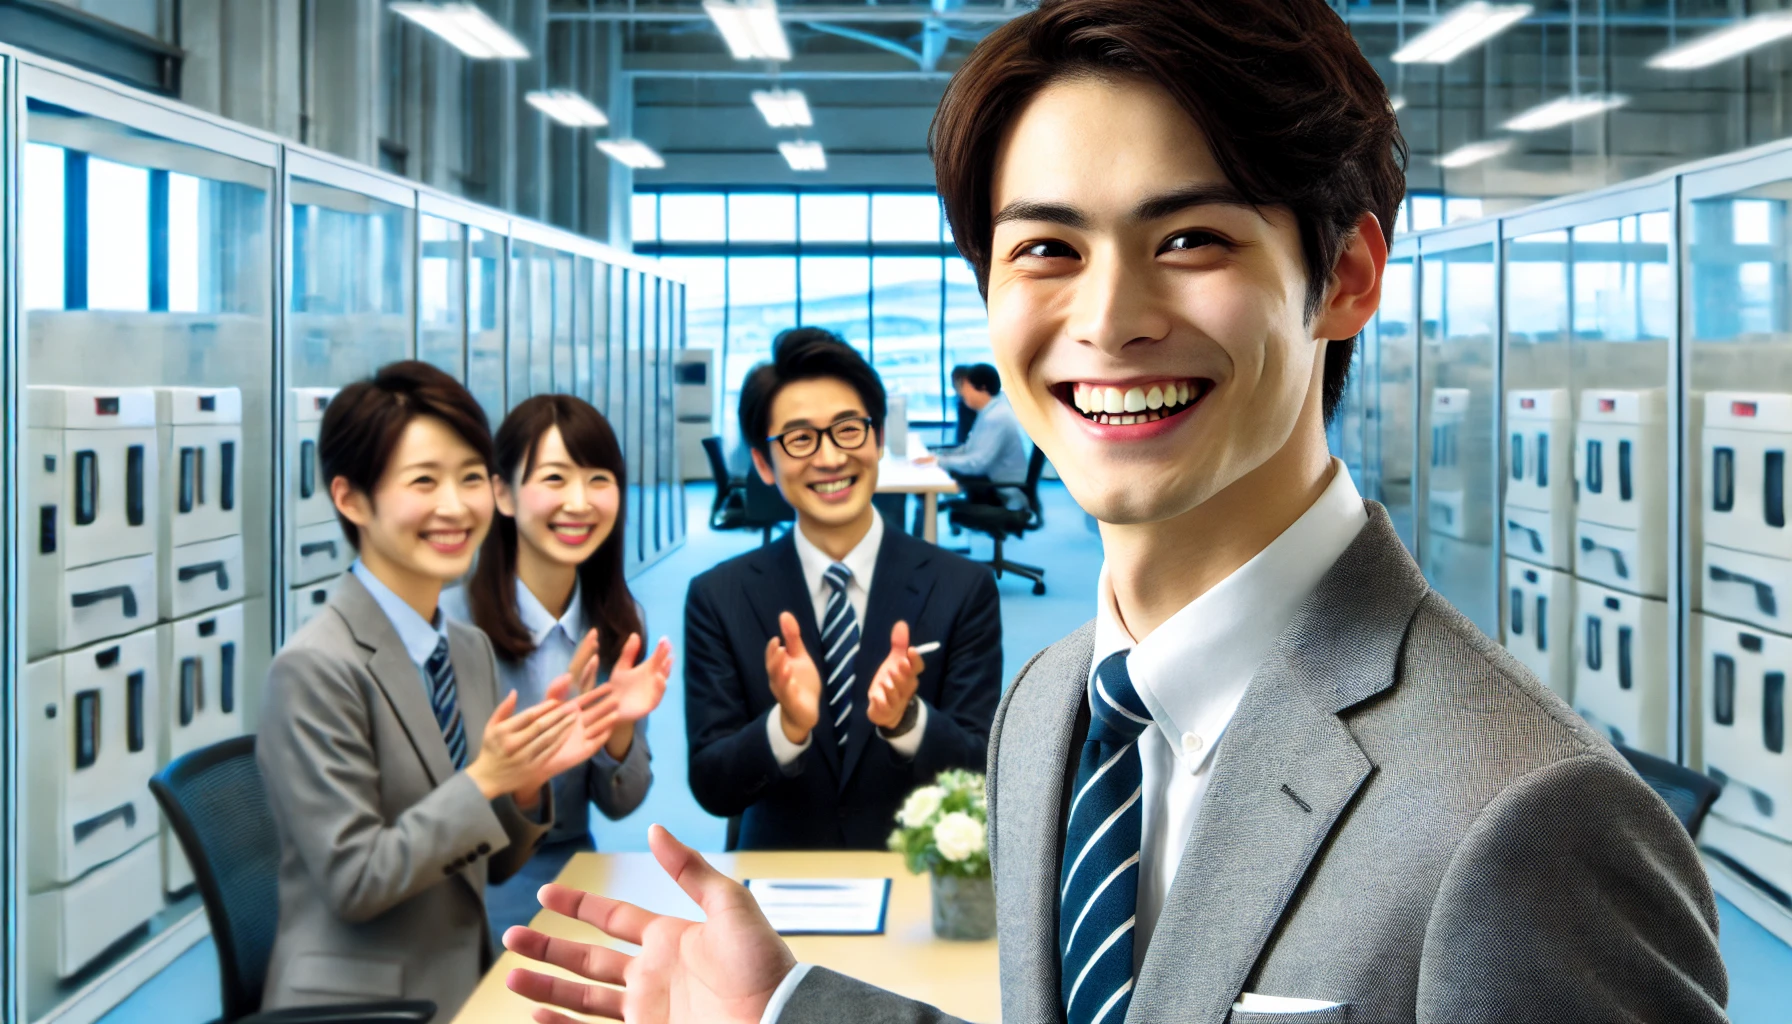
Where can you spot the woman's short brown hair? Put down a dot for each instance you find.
(1293, 112)
(363, 424)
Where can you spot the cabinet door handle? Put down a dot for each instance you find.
(87, 729)
(1518, 456)
(227, 677)
(1542, 622)
(1595, 467)
(126, 812)
(1723, 689)
(1773, 711)
(135, 714)
(1541, 454)
(309, 548)
(1625, 681)
(1536, 535)
(133, 485)
(1516, 613)
(1764, 598)
(227, 475)
(1624, 491)
(307, 468)
(1723, 479)
(187, 573)
(125, 594)
(1595, 656)
(1773, 490)
(190, 682)
(1588, 545)
(46, 530)
(87, 487)
(187, 490)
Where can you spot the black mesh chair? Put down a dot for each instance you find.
(766, 507)
(1688, 793)
(213, 798)
(999, 511)
(729, 510)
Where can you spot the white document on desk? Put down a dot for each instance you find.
(823, 906)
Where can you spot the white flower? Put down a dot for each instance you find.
(958, 836)
(920, 806)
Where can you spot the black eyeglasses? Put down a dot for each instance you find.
(802, 442)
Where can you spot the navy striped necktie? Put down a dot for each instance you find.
(1098, 889)
(840, 649)
(438, 671)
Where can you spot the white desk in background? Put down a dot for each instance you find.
(897, 475)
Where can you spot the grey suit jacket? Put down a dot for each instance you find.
(1400, 820)
(385, 848)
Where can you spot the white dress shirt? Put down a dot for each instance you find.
(1192, 671)
(862, 561)
(419, 636)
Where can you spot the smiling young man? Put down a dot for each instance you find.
(809, 713)
(1278, 778)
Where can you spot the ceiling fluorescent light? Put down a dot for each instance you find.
(1460, 31)
(1725, 43)
(633, 152)
(568, 108)
(804, 156)
(466, 28)
(1474, 153)
(1561, 111)
(783, 108)
(751, 28)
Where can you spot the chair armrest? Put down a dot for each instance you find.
(396, 1011)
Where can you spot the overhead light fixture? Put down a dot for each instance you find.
(1732, 41)
(567, 107)
(751, 28)
(804, 156)
(633, 152)
(1474, 153)
(783, 108)
(466, 28)
(1460, 31)
(1562, 110)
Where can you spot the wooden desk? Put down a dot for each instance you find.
(958, 977)
(901, 476)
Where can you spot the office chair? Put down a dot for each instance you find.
(729, 510)
(214, 800)
(765, 507)
(1018, 513)
(1688, 793)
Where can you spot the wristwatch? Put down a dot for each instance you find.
(909, 716)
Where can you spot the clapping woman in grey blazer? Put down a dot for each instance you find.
(550, 593)
(400, 784)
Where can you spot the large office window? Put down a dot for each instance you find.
(878, 268)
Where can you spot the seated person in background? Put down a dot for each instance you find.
(966, 417)
(398, 781)
(550, 593)
(995, 449)
(809, 715)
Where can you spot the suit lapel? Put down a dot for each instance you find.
(476, 690)
(1284, 772)
(778, 585)
(397, 677)
(899, 588)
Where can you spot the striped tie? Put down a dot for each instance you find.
(1099, 890)
(840, 646)
(438, 671)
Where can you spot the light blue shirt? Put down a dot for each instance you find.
(418, 636)
(996, 448)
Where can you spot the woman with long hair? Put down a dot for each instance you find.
(549, 591)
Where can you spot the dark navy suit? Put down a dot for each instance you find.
(839, 798)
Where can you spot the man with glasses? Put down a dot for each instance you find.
(809, 710)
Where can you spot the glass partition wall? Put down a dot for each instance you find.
(185, 311)
(148, 327)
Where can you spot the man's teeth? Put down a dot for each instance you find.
(1141, 404)
(832, 486)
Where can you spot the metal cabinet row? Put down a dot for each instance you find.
(190, 294)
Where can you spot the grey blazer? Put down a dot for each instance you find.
(1400, 820)
(385, 848)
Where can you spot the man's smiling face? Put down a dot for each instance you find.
(832, 487)
(1150, 326)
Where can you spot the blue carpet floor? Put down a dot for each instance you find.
(187, 992)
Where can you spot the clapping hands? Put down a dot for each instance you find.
(632, 691)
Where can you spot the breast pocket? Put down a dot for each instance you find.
(347, 976)
(1253, 1009)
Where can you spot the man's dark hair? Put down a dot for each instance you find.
(984, 378)
(1292, 110)
(806, 353)
(958, 373)
(363, 424)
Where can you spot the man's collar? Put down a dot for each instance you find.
(861, 560)
(1194, 667)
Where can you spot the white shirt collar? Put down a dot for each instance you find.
(541, 623)
(1193, 670)
(861, 560)
(419, 636)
